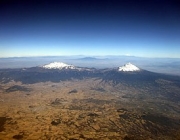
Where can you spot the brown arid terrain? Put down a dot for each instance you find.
(87, 109)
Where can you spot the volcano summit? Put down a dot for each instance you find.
(128, 67)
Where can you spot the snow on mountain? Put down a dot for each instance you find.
(128, 67)
(58, 65)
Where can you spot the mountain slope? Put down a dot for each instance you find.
(58, 71)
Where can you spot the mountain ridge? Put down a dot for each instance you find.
(54, 74)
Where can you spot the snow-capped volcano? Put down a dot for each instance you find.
(128, 67)
(58, 65)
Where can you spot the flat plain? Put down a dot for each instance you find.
(88, 109)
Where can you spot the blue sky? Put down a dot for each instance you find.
(48, 28)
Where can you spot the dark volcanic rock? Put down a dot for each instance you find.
(18, 137)
(17, 88)
(157, 119)
(56, 122)
(56, 102)
(73, 91)
(127, 138)
(2, 122)
(132, 138)
(121, 110)
(93, 115)
(124, 116)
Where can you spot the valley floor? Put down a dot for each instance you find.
(85, 109)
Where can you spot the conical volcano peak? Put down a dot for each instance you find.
(128, 67)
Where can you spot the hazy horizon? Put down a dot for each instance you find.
(160, 65)
(93, 56)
